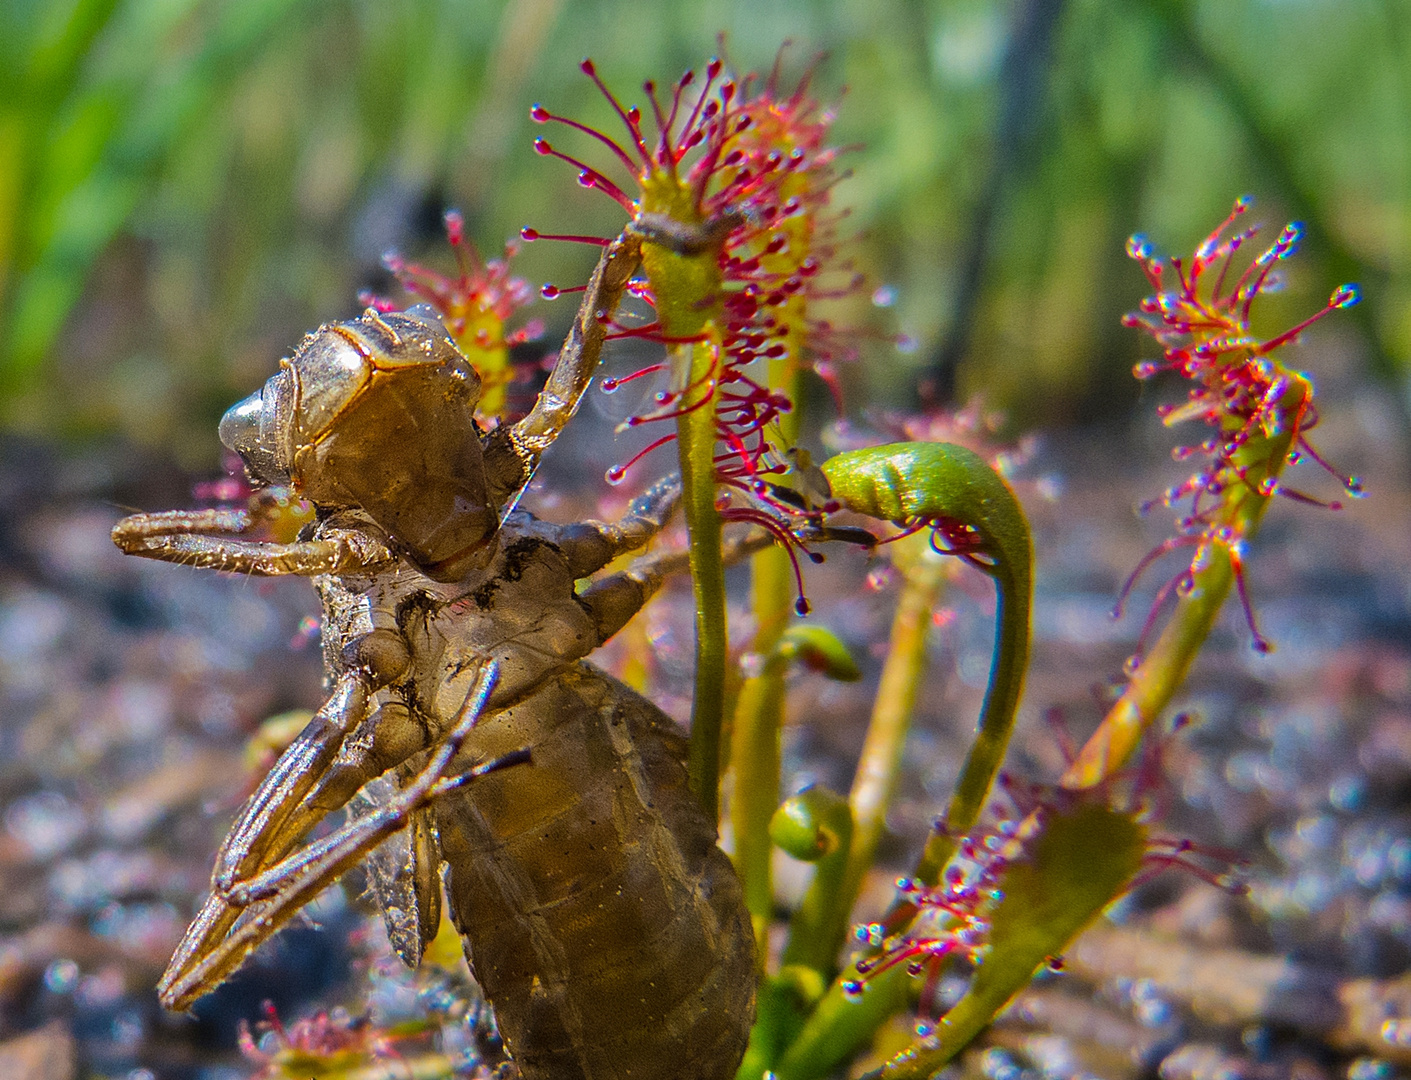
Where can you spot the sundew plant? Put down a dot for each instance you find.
(728, 252)
(728, 183)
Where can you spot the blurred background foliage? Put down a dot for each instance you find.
(186, 186)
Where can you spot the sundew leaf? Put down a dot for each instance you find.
(819, 649)
(1081, 860)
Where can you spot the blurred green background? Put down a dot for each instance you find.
(186, 186)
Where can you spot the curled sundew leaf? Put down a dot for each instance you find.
(811, 825)
(814, 826)
(968, 506)
(819, 649)
(1077, 861)
(971, 513)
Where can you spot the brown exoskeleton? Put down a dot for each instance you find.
(599, 916)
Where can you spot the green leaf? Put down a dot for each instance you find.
(1081, 860)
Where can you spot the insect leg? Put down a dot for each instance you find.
(614, 599)
(211, 539)
(512, 453)
(590, 545)
(261, 904)
(343, 747)
(261, 835)
(684, 238)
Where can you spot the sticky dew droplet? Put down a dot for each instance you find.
(1346, 296)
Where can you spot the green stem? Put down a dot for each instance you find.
(843, 1022)
(695, 432)
(755, 795)
(941, 484)
(875, 782)
(1157, 677)
(759, 712)
(996, 722)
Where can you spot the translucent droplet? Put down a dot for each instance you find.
(852, 988)
(60, 976)
(550, 292)
(609, 386)
(1345, 296)
(615, 474)
(880, 578)
(884, 296)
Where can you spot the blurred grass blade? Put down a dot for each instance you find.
(109, 110)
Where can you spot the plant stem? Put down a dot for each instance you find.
(755, 759)
(694, 365)
(1012, 605)
(875, 782)
(1157, 678)
(843, 1022)
(759, 712)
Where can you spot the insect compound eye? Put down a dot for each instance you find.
(332, 367)
(248, 429)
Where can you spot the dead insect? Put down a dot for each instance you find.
(599, 916)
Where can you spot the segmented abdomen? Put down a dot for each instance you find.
(604, 924)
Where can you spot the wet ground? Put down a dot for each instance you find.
(130, 691)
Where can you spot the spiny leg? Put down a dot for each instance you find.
(268, 900)
(342, 748)
(588, 546)
(512, 452)
(212, 539)
(261, 834)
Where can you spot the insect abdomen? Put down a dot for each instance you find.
(601, 920)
